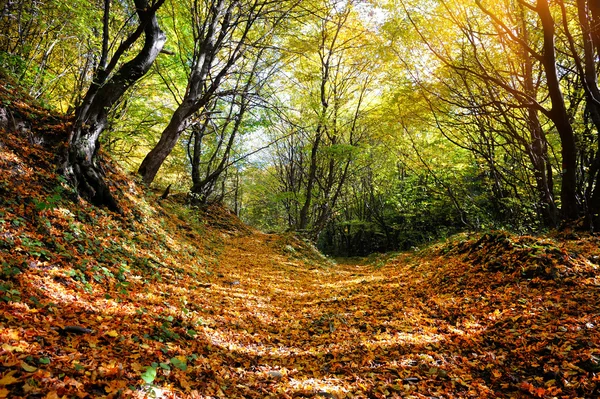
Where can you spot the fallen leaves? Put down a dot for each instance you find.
(28, 368)
(8, 378)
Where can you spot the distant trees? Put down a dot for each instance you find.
(331, 82)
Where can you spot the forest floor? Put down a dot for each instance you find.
(174, 302)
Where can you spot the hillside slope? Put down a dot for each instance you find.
(168, 301)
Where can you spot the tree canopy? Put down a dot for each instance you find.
(371, 125)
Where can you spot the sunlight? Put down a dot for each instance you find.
(319, 386)
(357, 281)
(402, 338)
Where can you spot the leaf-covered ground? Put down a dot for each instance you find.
(172, 302)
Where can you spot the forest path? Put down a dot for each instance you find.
(333, 330)
(251, 315)
(480, 319)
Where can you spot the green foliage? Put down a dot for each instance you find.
(180, 364)
(9, 293)
(9, 270)
(149, 375)
(12, 64)
(52, 201)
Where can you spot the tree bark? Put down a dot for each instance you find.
(82, 166)
(538, 147)
(203, 187)
(570, 208)
(168, 139)
(588, 12)
(312, 171)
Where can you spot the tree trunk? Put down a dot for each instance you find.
(203, 187)
(168, 139)
(330, 203)
(198, 137)
(82, 165)
(570, 208)
(594, 7)
(312, 175)
(588, 11)
(538, 154)
(213, 37)
(537, 150)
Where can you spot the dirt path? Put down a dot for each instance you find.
(344, 330)
(415, 328)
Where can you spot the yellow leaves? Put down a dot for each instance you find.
(112, 333)
(113, 367)
(8, 379)
(10, 348)
(115, 386)
(28, 368)
(4, 393)
(11, 334)
(185, 383)
(135, 366)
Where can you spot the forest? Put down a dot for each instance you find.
(299, 198)
(355, 123)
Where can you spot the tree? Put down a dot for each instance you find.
(223, 33)
(585, 62)
(526, 34)
(48, 47)
(81, 165)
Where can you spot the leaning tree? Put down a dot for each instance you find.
(81, 164)
(224, 32)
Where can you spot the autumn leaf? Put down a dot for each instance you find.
(10, 348)
(8, 379)
(28, 368)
